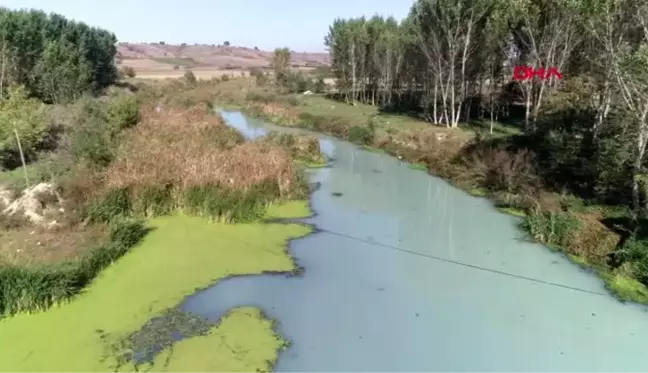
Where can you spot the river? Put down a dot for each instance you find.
(407, 273)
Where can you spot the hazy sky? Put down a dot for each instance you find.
(300, 25)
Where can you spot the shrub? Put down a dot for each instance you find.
(635, 252)
(225, 78)
(36, 288)
(551, 228)
(91, 141)
(128, 72)
(26, 116)
(261, 79)
(190, 78)
(500, 170)
(122, 111)
(360, 135)
(320, 86)
(93, 138)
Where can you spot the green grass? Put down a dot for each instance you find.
(184, 62)
(499, 129)
(418, 166)
(312, 164)
(362, 113)
(626, 288)
(359, 114)
(180, 255)
(478, 192)
(512, 211)
(15, 179)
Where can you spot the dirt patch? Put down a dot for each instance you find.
(35, 245)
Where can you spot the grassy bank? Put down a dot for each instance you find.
(181, 254)
(483, 164)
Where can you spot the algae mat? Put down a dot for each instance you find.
(181, 255)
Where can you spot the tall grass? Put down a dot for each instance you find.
(188, 160)
(302, 148)
(38, 287)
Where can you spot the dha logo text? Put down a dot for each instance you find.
(528, 73)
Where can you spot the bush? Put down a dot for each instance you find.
(320, 86)
(27, 117)
(93, 138)
(127, 71)
(190, 78)
(501, 170)
(36, 288)
(551, 228)
(91, 141)
(360, 135)
(225, 78)
(122, 111)
(635, 252)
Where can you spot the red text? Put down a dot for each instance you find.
(528, 73)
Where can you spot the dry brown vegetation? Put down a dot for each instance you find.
(190, 147)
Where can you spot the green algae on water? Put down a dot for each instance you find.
(180, 255)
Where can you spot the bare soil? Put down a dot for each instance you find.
(206, 61)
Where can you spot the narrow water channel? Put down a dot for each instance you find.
(411, 274)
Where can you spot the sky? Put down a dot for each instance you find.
(267, 24)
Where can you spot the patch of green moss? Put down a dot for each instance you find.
(626, 289)
(478, 192)
(512, 211)
(180, 255)
(418, 166)
(578, 260)
(312, 164)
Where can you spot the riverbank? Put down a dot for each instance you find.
(471, 159)
(153, 204)
(180, 255)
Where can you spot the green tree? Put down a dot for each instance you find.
(281, 64)
(55, 59)
(61, 74)
(22, 126)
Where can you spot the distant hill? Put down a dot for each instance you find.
(203, 55)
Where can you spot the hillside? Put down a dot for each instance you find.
(162, 56)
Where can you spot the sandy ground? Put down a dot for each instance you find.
(204, 73)
(147, 70)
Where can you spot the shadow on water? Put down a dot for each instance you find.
(406, 273)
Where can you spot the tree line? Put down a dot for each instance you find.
(57, 60)
(452, 61)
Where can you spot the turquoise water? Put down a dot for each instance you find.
(407, 273)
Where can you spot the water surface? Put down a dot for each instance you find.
(411, 274)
